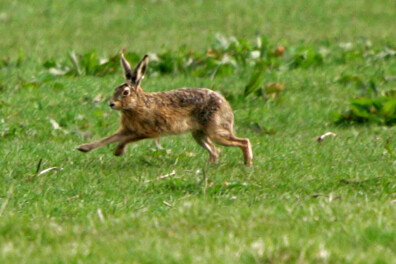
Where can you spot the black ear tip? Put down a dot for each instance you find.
(145, 57)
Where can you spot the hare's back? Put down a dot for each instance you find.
(205, 104)
(187, 97)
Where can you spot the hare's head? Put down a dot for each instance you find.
(126, 94)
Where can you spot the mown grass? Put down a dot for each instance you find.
(303, 201)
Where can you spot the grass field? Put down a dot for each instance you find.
(302, 202)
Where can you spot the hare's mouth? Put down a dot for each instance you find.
(114, 105)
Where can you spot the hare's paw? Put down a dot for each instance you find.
(249, 163)
(119, 150)
(84, 148)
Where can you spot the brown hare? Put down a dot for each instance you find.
(203, 112)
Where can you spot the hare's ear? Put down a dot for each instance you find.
(140, 70)
(127, 68)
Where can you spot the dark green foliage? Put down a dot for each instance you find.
(256, 79)
(306, 56)
(84, 64)
(365, 86)
(228, 56)
(380, 110)
(372, 105)
(225, 57)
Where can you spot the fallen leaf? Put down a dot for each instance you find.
(47, 170)
(100, 215)
(97, 98)
(322, 137)
(54, 124)
(279, 51)
(73, 197)
(166, 175)
(273, 90)
(58, 72)
(167, 204)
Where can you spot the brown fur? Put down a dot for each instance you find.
(203, 112)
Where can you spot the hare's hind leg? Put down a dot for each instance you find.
(204, 141)
(227, 138)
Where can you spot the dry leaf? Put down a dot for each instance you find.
(273, 90)
(54, 124)
(73, 197)
(279, 51)
(167, 204)
(322, 137)
(97, 98)
(57, 72)
(100, 215)
(47, 170)
(166, 175)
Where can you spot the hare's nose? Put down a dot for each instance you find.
(111, 104)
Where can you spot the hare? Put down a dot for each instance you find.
(203, 112)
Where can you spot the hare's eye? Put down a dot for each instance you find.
(125, 92)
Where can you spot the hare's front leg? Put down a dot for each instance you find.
(120, 149)
(117, 137)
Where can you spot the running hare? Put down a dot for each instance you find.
(203, 112)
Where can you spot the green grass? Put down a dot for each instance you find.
(46, 27)
(302, 202)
